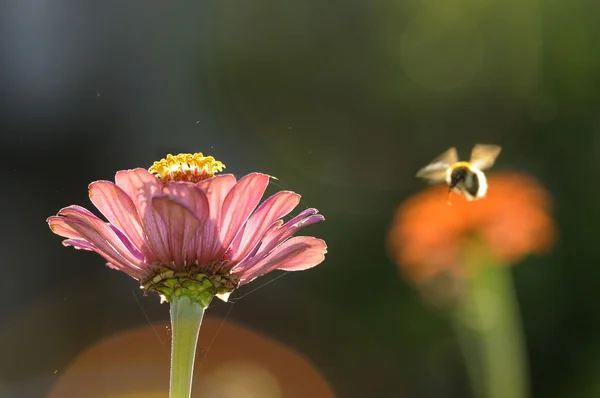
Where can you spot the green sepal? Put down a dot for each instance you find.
(198, 287)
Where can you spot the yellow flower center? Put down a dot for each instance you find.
(186, 167)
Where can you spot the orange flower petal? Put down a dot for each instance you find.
(427, 235)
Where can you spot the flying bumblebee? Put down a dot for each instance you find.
(465, 177)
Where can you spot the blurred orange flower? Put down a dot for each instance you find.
(428, 237)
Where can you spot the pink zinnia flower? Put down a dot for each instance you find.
(177, 227)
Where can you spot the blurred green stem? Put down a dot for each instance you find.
(488, 325)
(186, 318)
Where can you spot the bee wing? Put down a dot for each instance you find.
(436, 169)
(483, 156)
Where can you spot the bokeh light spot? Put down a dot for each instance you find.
(231, 361)
(240, 379)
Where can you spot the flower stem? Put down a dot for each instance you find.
(186, 318)
(488, 325)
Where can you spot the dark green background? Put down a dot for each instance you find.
(342, 101)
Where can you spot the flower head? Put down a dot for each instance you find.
(179, 229)
(186, 167)
(429, 238)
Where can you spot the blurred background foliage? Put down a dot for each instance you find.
(343, 102)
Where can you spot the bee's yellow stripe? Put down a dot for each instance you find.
(460, 164)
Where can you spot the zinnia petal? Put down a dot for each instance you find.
(141, 186)
(181, 224)
(79, 223)
(239, 204)
(195, 200)
(295, 254)
(134, 250)
(118, 208)
(304, 219)
(275, 207)
(81, 244)
(254, 249)
(77, 217)
(276, 237)
(60, 227)
(216, 190)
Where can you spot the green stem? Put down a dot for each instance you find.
(488, 324)
(186, 318)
